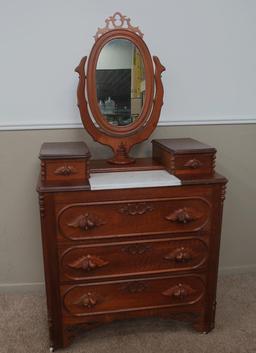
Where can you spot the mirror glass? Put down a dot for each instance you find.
(120, 82)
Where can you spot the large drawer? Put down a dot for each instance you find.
(121, 296)
(81, 221)
(131, 258)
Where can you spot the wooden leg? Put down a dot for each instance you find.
(203, 325)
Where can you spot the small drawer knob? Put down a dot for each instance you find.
(65, 170)
(193, 164)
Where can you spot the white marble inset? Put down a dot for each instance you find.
(136, 179)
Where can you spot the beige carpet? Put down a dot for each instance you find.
(23, 327)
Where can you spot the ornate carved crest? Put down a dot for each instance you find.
(135, 287)
(134, 209)
(86, 222)
(88, 263)
(117, 21)
(137, 249)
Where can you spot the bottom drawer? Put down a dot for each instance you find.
(121, 296)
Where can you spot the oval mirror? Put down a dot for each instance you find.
(120, 92)
(120, 82)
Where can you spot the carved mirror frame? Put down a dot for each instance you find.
(122, 138)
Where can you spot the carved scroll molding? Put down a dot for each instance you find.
(88, 263)
(117, 21)
(135, 287)
(180, 255)
(172, 164)
(213, 162)
(88, 300)
(134, 209)
(193, 164)
(183, 215)
(179, 291)
(43, 171)
(65, 170)
(86, 222)
(137, 249)
(223, 193)
(41, 205)
(122, 155)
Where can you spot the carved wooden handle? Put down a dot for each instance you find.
(182, 215)
(179, 291)
(86, 222)
(65, 170)
(88, 263)
(180, 255)
(88, 300)
(193, 164)
(183, 257)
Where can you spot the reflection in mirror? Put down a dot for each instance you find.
(120, 82)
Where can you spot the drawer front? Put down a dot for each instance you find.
(64, 171)
(130, 258)
(98, 220)
(123, 296)
(194, 164)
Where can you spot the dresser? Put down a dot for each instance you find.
(127, 237)
(134, 252)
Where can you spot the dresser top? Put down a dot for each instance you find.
(184, 145)
(64, 150)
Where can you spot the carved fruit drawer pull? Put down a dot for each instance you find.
(180, 255)
(88, 300)
(193, 163)
(86, 222)
(183, 215)
(134, 209)
(88, 263)
(179, 291)
(65, 170)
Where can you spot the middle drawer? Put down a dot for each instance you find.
(111, 260)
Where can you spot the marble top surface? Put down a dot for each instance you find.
(134, 179)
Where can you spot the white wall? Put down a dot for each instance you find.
(207, 46)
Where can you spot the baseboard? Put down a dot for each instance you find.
(232, 270)
(47, 124)
(22, 287)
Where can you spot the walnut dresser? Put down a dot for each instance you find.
(133, 252)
